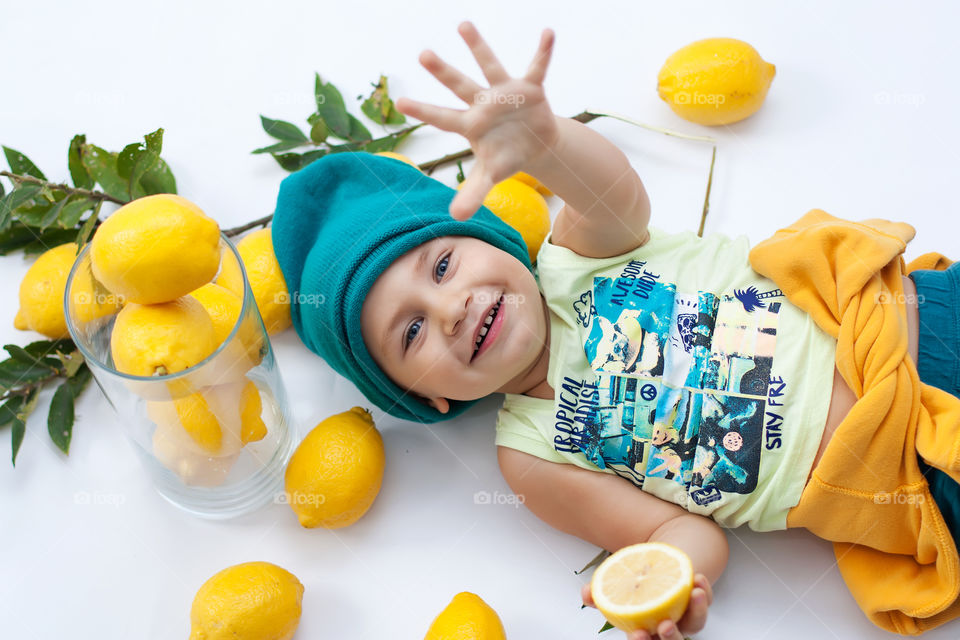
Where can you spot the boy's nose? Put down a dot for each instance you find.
(453, 311)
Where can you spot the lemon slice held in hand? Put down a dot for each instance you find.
(643, 584)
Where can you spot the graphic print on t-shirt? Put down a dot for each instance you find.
(681, 381)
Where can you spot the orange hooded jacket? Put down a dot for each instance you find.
(867, 494)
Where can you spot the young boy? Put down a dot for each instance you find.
(711, 376)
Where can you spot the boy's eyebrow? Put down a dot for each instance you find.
(424, 253)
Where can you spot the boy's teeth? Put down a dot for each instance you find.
(486, 326)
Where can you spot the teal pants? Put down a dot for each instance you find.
(938, 364)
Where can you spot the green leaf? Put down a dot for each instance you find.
(15, 237)
(87, 227)
(158, 179)
(14, 373)
(42, 348)
(16, 199)
(72, 212)
(80, 379)
(53, 214)
(154, 141)
(331, 109)
(606, 627)
(379, 107)
(282, 130)
(319, 131)
(47, 239)
(78, 173)
(9, 410)
(16, 437)
(71, 362)
(600, 557)
(60, 417)
(357, 130)
(21, 164)
(134, 161)
(102, 165)
(20, 422)
(2, 190)
(294, 161)
(279, 146)
(20, 354)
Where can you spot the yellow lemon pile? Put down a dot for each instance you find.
(715, 81)
(467, 617)
(335, 473)
(248, 601)
(158, 255)
(643, 584)
(519, 202)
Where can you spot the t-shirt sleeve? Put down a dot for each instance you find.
(516, 430)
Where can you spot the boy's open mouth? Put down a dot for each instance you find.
(484, 329)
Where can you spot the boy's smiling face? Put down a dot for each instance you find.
(421, 318)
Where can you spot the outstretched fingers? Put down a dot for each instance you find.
(493, 71)
(450, 77)
(440, 117)
(537, 70)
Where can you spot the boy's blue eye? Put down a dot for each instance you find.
(408, 338)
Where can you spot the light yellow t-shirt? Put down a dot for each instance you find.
(680, 368)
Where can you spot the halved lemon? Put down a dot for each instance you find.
(643, 584)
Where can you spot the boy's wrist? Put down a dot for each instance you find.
(551, 152)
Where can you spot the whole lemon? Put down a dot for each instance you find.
(160, 339)
(248, 601)
(266, 279)
(156, 249)
(335, 473)
(41, 294)
(519, 205)
(242, 353)
(397, 156)
(467, 617)
(715, 81)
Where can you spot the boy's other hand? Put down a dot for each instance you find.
(509, 125)
(693, 620)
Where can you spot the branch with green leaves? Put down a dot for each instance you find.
(38, 214)
(26, 372)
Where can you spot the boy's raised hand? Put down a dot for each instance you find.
(509, 125)
(692, 621)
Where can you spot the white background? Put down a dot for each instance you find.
(860, 121)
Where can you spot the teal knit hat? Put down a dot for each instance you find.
(339, 223)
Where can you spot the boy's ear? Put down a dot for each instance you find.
(440, 404)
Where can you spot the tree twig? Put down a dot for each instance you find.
(86, 193)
